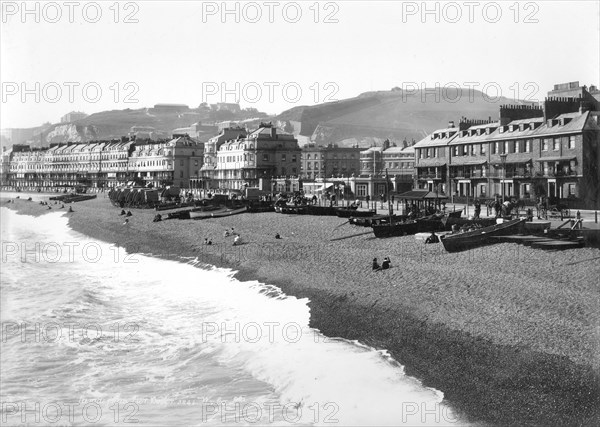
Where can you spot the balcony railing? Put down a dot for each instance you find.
(510, 174)
(429, 176)
(556, 174)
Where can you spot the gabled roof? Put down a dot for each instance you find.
(576, 123)
(442, 138)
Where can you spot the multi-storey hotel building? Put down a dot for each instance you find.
(264, 154)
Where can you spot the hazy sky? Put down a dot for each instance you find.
(188, 52)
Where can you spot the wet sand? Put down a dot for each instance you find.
(509, 334)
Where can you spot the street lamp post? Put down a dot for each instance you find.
(503, 159)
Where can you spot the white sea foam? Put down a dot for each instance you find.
(187, 344)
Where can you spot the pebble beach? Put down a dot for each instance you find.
(508, 333)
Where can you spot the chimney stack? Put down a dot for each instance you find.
(451, 124)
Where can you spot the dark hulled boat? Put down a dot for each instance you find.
(460, 222)
(472, 239)
(349, 212)
(369, 221)
(394, 230)
(320, 210)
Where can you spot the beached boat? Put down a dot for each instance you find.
(196, 212)
(218, 213)
(73, 198)
(455, 214)
(394, 230)
(369, 221)
(260, 209)
(294, 210)
(461, 222)
(348, 212)
(472, 239)
(320, 210)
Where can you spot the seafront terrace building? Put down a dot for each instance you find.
(101, 164)
(529, 152)
(208, 172)
(176, 162)
(263, 155)
(319, 162)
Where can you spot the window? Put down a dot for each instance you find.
(572, 190)
(556, 146)
(572, 142)
(308, 165)
(482, 149)
(361, 190)
(494, 148)
(528, 146)
(428, 152)
(545, 144)
(265, 157)
(293, 158)
(506, 147)
(455, 151)
(283, 158)
(435, 152)
(196, 163)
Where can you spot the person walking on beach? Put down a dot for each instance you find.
(386, 263)
(376, 266)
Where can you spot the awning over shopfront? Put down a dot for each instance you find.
(520, 161)
(473, 163)
(437, 165)
(556, 159)
(422, 195)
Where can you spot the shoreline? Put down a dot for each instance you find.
(508, 333)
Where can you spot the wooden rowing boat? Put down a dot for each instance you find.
(369, 221)
(218, 213)
(394, 230)
(472, 239)
(348, 212)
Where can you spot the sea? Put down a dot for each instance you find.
(93, 335)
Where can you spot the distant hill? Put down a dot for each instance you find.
(375, 116)
(117, 123)
(364, 120)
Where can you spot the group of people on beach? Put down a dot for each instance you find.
(384, 265)
(127, 215)
(237, 239)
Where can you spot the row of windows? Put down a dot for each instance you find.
(390, 165)
(498, 147)
(335, 156)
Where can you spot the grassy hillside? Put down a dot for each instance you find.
(392, 114)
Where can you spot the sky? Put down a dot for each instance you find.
(57, 57)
